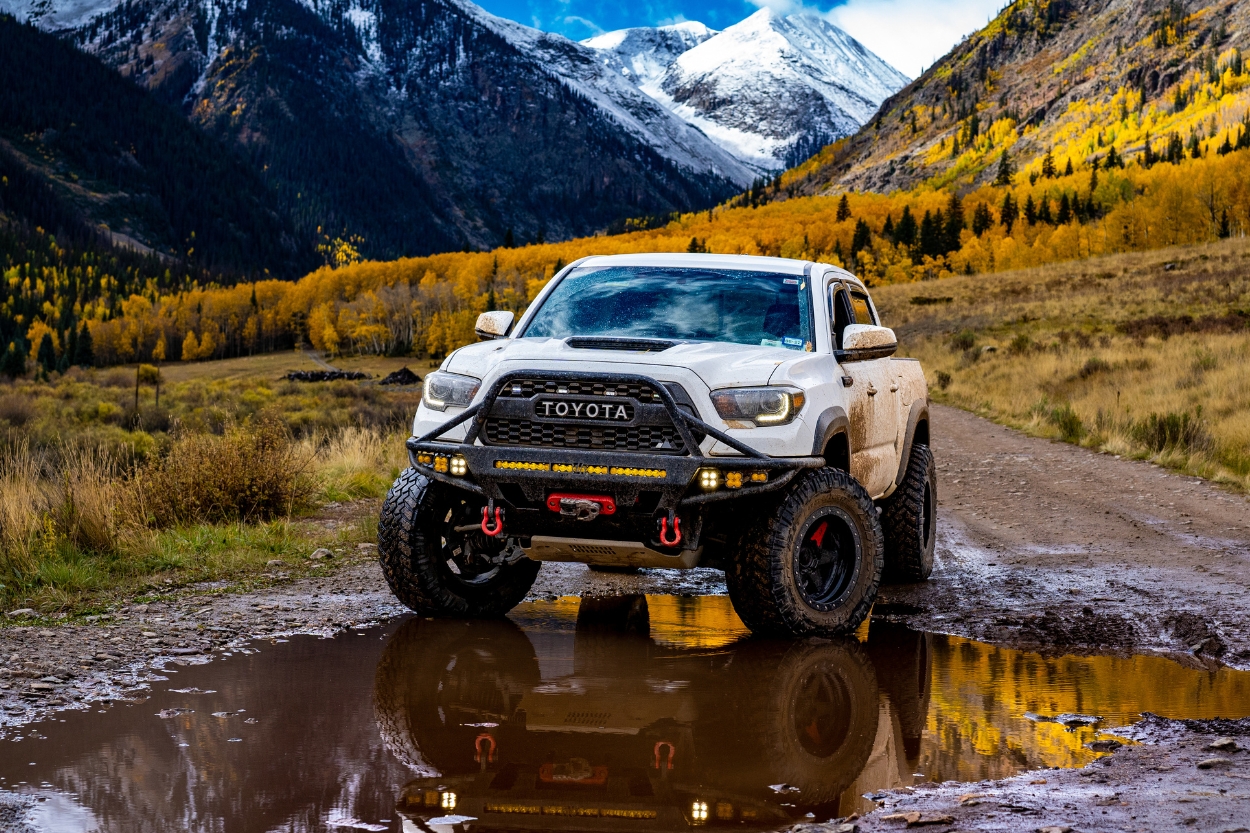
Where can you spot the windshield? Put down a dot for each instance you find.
(678, 304)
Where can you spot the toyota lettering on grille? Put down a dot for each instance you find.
(575, 409)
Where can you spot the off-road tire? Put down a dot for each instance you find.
(909, 520)
(410, 549)
(762, 576)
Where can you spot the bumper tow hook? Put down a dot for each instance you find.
(676, 539)
(487, 529)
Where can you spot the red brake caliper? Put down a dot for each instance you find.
(819, 535)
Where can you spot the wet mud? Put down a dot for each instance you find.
(607, 713)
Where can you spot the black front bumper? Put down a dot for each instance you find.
(521, 477)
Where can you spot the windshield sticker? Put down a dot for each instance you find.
(793, 342)
(768, 342)
(789, 282)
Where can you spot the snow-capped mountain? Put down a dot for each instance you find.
(771, 89)
(644, 54)
(418, 125)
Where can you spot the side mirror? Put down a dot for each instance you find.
(861, 342)
(492, 325)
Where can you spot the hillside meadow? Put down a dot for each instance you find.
(1141, 355)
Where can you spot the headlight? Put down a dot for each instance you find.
(449, 390)
(762, 406)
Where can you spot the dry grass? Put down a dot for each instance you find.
(78, 525)
(1140, 355)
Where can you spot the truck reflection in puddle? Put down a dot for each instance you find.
(606, 728)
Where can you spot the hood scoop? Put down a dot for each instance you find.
(637, 345)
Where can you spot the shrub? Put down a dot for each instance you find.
(1020, 345)
(1092, 367)
(251, 472)
(1180, 431)
(943, 380)
(963, 341)
(16, 409)
(1071, 429)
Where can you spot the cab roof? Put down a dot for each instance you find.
(752, 263)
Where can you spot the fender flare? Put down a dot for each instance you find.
(919, 413)
(831, 422)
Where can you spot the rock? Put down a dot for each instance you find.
(148, 634)
(168, 713)
(21, 612)
(403, 376)
(325, 375)
(42, 686)
(1224, 745)
(320, 553)
(846, 828)
(1054, 829)
(366, 546)
(917, 819)
(275, 562)
(1214, 763)
(1104, 745)
(1074, 720)
(183, 652)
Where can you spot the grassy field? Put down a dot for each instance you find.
(1142, 355)
(238, 474)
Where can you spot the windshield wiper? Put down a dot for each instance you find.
(642, 345)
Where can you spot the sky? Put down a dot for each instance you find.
(908, 34)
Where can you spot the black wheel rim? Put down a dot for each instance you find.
(822, 713)
(827, 558)
(468, 557)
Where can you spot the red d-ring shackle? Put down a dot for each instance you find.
(486, 527)
(676, 539)
(490, 750)
(672, 753)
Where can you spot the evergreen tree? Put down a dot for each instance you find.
(887, 230)
(1067, 170)
(1225, 230)
(906, 231)
(1043, 212)
(861, 240)
(46, 355)
(1195, 149)
(508, 240)
(954, 223)
(1030, 211)
(1148, 158)
(13, 363)
(844, 209)
(1006, 172)
(1065, 210)
(1009, 213)
(982, 219)
(84, 351)
(1114, 160)
(1048, 165)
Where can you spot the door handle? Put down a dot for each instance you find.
(871, 390)
(894, 388)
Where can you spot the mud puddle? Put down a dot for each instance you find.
(647, 712)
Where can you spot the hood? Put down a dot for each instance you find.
(717, 364)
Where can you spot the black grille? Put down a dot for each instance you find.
(525, 388)
(654, 439)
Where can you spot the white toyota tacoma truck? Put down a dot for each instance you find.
(675, 411)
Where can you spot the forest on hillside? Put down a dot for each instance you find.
(1126, 172)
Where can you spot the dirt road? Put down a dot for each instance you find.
(1049, 545)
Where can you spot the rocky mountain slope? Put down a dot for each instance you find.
(91, 159)
(772, 89)
(1073, 78)
(408, 126)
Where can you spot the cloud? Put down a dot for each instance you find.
(910, 34)
(784, 6)
(592, 28)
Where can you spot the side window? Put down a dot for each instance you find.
(861, 307)
(842, 314)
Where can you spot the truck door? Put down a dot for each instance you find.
(874, 405)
